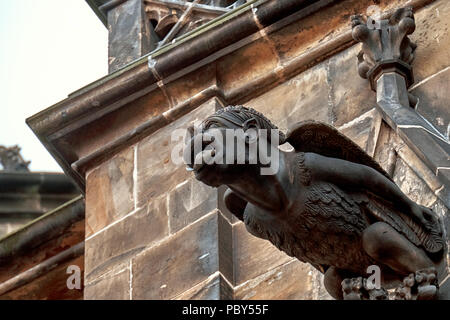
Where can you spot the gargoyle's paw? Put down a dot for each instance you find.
(421, 285)
(351, 288)
(403, 292)
(427, 284)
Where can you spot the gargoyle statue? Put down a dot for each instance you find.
(329, 204)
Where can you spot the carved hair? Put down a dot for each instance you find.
(239, 115)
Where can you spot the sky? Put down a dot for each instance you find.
(49, 48)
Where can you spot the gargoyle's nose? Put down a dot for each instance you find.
(199, 141)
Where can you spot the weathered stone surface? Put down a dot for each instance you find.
(51, 286)
(221, 205)
(253, 256)
(331, 92)
(226, 261)
(385, 151)
(301, 98)
(319, 291)
(350, 95)
(390, 146)
(178, 263)
(190, 201)
(358, 131)
(434, 101)
(248, 63)
(126, 238)
(432, 37)
(9, 225)
(419, 168)
(184, 88)
(434, 151)
(157, 173)
(293, 280)
(26, 260)
(206, 290)
(115, 286)
(109, 191)
(130, 34)
(324, 25)
(412, 185)
(117, 123)
(364, 130)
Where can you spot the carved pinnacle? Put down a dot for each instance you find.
(385, 45)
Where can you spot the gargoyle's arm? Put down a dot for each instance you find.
(357, 176)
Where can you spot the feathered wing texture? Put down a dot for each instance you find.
(325, 232)
(429, 237)
(335, 222)
(330, 208)
(321, 138)
(327, 205)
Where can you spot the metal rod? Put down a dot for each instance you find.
(180, 23)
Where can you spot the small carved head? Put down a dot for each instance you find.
(227, 145)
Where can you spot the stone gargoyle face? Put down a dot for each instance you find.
(226, 149)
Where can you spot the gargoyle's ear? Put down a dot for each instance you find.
(250, 124)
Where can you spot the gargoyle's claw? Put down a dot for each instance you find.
(427, 285)
(352, 288)
(422, 285)
(357, 289)
(403, 292)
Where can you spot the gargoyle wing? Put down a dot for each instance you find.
(428, 237)
(328, 207)
(321, 138)
(334, 217)
(344, 211)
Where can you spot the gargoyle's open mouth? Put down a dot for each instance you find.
(197, 162)
(202, 160)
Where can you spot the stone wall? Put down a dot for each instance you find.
(153, 232)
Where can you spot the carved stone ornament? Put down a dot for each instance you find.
(11, 160)
(328, 204)
(385, 45)
(385, 59)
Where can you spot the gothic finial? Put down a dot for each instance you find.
(386, 46)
